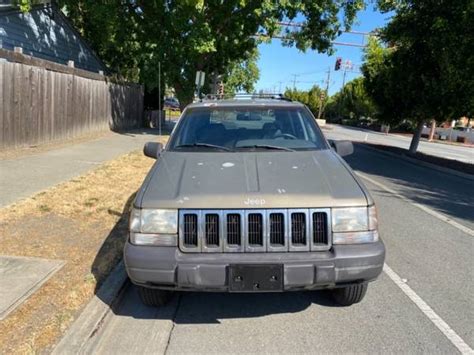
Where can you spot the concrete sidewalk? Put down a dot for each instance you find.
(24, 176)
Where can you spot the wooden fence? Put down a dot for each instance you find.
(39, 105)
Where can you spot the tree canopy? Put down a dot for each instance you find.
(242, 76)
(352, 101)
(133, 36)
(423, 67)
(311, 97)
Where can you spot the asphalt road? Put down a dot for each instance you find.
(454, 152)
(422, 303)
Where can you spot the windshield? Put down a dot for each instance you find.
(247, 128)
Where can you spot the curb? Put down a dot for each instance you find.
(92, 317)
(419, 162)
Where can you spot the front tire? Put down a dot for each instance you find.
(347, 296)
(154, 297)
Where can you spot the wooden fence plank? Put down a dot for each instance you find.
(8, 105)
(50, 114)
(17, 80)
(34, 127)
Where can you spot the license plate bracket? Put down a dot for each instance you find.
(255, 278)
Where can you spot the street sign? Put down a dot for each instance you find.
(200, 76)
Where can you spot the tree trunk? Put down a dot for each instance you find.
(185, 98)
(416, 139)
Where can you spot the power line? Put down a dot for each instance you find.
(311, 72)
(300, 24)
(336, 43)
(309, 82)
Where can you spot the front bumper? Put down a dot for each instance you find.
(169, 268)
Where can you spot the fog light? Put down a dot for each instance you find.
(166, 240)
(355, 237)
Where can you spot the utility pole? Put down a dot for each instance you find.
(159, 95)
(215, 88)
(326, 93)
(280, 82)
(342, 91)
(344, 77)
(432, 130)
(294, 80)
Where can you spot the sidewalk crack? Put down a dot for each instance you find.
(174, 323)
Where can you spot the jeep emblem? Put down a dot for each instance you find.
(254, 201)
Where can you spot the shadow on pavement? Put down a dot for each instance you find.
(448, 194)
(210, 307)
(110, 252)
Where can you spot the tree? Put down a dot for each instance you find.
(352, 101)
(242, 76)
(425, 69)
(133, 36)
(384, 85)
(213, 36)
(110, 30)
(310, 98)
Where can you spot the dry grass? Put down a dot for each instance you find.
(82, 221)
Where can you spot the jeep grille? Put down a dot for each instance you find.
(272, 230)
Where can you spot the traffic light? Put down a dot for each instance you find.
(220, 90)
(338, 63)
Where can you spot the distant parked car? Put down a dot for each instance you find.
(462, 129)
(364, 122)
(171, 103)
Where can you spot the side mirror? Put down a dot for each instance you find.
(152, 149)
(343, 148)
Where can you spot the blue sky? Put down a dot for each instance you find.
(278, 64)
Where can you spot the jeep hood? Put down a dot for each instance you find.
(276, 179)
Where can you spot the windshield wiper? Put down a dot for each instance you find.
(205, 145)
(266, 146)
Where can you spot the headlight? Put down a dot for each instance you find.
(353, 219)
(354, 225)
(159, 221)
(154, 227)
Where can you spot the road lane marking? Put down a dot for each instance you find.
(428, 210)
(452, 336)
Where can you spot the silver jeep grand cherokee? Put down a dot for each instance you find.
(248, 196)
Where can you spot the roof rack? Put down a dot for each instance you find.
(254, 96)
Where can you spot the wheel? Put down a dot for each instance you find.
(154, 297)
(346, 296)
